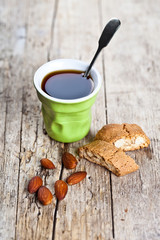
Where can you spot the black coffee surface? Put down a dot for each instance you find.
(67, 84)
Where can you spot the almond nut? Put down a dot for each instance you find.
(76, 178)
(61, 189)
(44, 195)
(46, 163)
(69, 160)
(34, 184)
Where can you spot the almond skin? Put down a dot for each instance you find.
(46, 163)
(69, 160)
(34, 184)
(76, 178)
(44, 195)
(61, 189)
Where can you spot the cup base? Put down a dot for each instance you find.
(59, 139)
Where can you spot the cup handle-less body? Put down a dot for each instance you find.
(65, 122)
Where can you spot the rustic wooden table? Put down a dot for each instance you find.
(103, 206)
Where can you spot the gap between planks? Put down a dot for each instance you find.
(105, 95)
(65, 145)
(20, 150)
(55, 9)
(57, 201)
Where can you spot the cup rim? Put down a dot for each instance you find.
(77, 100)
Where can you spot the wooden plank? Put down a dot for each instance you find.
(35, 221)
(85, 213)
(132, 86)
(10, 113)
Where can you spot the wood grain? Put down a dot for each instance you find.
(103, 206)
(132, 87)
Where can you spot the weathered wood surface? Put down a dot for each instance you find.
(103, 207)
(132, 90)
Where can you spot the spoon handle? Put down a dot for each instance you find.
(108, 32)
(92, 62)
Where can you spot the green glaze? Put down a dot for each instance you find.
(66, 122)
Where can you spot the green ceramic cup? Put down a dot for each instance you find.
(66, 120)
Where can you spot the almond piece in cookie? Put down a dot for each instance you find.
(126, 136)
(107, 155)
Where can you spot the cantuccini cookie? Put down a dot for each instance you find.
(127, 137)
(107, 155)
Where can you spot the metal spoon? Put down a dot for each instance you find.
(108, 32)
